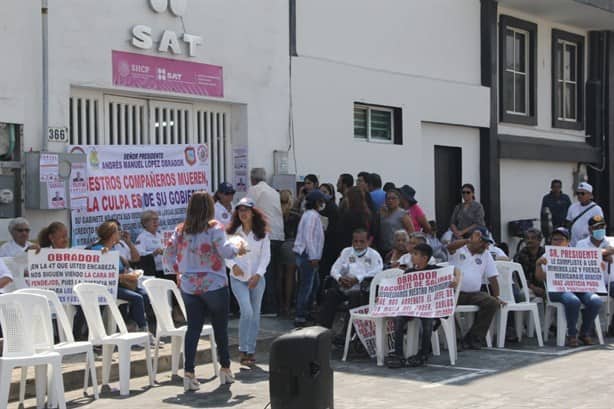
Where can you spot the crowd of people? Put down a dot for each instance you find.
(276, 253)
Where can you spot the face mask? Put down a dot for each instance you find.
(322, 207)
(599, 234)
(360, 253)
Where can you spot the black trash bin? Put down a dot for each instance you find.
(300, 375)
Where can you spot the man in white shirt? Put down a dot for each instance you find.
(19, 229)
(267, 201)
(355, 264)
(580, 213)
(471, 257)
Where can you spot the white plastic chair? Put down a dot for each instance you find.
(68, 345)
(448, 328)
(26, 325)
(506, 271)
(561, 321)
(160, 294)
(380, 322)
(89, 296)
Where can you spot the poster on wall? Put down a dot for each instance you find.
(56, 190)
(49, 167)
(124, 181)
(78, 186)
(239, 158)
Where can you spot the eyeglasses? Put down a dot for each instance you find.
(467, 192)
(23, 230)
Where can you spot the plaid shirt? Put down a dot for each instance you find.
(527, 261)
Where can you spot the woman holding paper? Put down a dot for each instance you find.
(196, 252)
(572, 301)
(247, 273)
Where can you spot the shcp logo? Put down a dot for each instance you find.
(177, 7)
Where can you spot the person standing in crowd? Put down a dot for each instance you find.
(418, 217)
(557, 203)
(355, 264)
(308, 248)
(597, 240)
(399, 249)
(572, 301)
(362, 181)
(392, 217)
(581, 212)
(354, 215)
(331, 242)
(19, 229)
(528, 256)
(223, 203)
(267, 200)
(127, 289)
(287, 280)
(374, 183)
(195, 252)
(310, 183)
(420, 256)
(468, 215)
(247, 278)
(389, 186)
(471, 257)
(344, 182)
(150, 243)
(125, 247)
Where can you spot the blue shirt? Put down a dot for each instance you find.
(379, 197)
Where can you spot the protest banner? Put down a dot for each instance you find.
(124, 181)
(365, 329)
(423, 294)
(574, 270)
(59, 270)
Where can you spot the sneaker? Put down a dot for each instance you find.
(394, 361)
(417, 360)
(190, 384)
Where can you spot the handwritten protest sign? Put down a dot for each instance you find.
(366, 331)
(123, 181)
(424, 294)
(574, 270)
(59, 270)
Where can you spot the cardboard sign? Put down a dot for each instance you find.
(574, 270)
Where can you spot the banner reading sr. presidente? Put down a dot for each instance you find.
(124, 181)
(424, 294)
(59, 270)
(574, 270)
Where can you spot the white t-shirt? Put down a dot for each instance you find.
(349, 264)
(588, 244)
(473, 267)
(147, 242)
(579, 230)
(256, 260)
(222, 214)
(267, 201)
(12, 249)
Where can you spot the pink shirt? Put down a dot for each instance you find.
(416, 212)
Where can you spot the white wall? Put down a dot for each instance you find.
(523, 185)
(432, 38)
(544, 82)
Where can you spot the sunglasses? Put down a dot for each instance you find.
(467, 192)
(23, 230)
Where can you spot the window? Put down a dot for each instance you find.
(517, 74)
(376, 123)
(567, 80)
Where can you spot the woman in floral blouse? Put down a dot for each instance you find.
(196, 252)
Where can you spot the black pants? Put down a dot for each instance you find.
(270, 303)
(334, 296)
(400, 326)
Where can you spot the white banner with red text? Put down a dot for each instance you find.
(423, 294)
(574, 270)
(366, 331)
(59, 270)
(124, 181)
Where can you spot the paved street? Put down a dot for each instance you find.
(519, 377)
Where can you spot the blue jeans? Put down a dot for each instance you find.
(249, 304)
(216, 303)
(137, 300)
(572, 301)
(307, 281)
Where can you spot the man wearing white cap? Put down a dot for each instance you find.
(581, 212)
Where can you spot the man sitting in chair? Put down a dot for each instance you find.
(420, 256)
(353, 265)
(471, 257)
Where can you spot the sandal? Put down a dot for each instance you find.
(415, 361)
(393, 361)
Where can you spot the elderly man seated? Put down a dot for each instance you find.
(19, 229)
(355, 264)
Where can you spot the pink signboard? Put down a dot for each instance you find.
(165, 74)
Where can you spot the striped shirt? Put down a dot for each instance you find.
(310, 235)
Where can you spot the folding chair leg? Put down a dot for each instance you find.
(380, 328)
(40, 375)
(502, 327)
(435, 343)
(58, 385)
(175, 354)
(598, 330)
(348, 336)
(22, 384)
(148, 362)
(561, 327)
(5, 373)
(156, 357)
(107, 354)
(91, 366)
(124, 368)
(519, 324)
(538, 332)
(547, 323)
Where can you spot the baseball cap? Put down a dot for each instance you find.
(585, 186)
(484, 233)
(225, 187)
(562, 231)
(596, 220)
(315, 195)
(246, 202)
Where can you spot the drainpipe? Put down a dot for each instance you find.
(45, 43)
